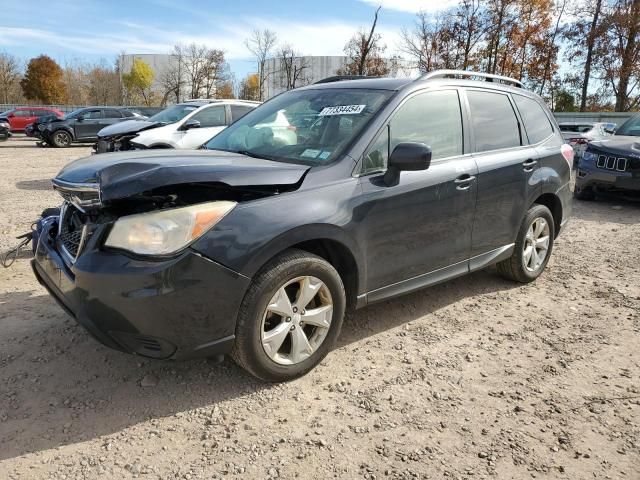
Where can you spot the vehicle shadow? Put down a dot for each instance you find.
(62, 387)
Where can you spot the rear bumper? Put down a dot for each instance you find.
(178, 308)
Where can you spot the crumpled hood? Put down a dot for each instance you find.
(126, 127)
(122, 174)
(620, 144)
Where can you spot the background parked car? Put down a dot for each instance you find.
(611, 164)
(186, 125)
(4, 130)
(20, 117)
(84, 124)
(579, 134)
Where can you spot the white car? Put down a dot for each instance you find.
(185, 125)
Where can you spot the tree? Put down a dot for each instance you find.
(104, 85)
(43, 81)
(250, 87)
(581, 36)
(618, 53)
(364, 51)
(291, 67)
(261, 45)
(564, 101)
(139, 80)
(225, 90)
(9, 78)
(172, 79)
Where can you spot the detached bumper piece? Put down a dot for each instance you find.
(180, 307)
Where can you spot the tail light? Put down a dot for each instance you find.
(567, 153)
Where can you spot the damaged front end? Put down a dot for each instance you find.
(119, 137)
(117, 255)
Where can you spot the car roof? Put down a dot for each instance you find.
(436, 78)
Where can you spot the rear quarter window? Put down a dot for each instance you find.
(536, 122)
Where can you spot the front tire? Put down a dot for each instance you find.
(533, 247)
(290, 317)
(61, 139)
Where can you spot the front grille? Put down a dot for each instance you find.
(73, 231)
(610, 162)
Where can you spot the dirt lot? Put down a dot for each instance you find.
(477, 378)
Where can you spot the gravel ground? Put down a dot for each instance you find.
(476, 378)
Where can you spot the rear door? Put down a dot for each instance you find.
(423, 223)
(212, 121)
(110, 116)
(505, 166)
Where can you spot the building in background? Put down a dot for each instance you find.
(160, 63)
(310, 69)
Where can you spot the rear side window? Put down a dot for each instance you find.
(536, 122)
(494, 122)
(112, 114)
(23, 113)
(239, 111)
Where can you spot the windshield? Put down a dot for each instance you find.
(303, 126)
(173, 114)
(630, 127)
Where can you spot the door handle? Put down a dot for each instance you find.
(528, 164)
(464, 181)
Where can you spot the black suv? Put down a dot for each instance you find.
(259, 243)
(611, 164)
(83, 125)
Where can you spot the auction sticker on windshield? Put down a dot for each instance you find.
(342, 110)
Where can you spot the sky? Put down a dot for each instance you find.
(92, 30)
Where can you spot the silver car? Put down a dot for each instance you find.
(579, 134)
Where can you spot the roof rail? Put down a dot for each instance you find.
(488, 77)
(338, 78)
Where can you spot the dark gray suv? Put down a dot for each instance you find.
(324, 199)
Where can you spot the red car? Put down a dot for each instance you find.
(20, 117)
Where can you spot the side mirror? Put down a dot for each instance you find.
(610, 131)
(11, 115)
(80, 118)
(408, 156)
(189, 124)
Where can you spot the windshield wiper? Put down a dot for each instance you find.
(251, 154)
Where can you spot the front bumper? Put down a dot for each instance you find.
(176, 308)
(590, 176)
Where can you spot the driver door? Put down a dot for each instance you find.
(419, 231)
(212, 121)
(89, 124)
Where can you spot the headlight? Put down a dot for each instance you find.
(41, 127)
(4, 125)
(166, 231)
(589, 156)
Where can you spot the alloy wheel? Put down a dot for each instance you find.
(62, 138)
(297, 320)
(536, 244)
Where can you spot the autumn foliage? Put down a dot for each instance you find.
(43, 81)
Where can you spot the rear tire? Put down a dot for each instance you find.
(533, 247)
(61, 139)
(276, 346)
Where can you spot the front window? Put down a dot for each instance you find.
(306, 126)
(74, 114)
(173, 114)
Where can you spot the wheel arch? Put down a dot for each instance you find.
(554, 204)
(326, 241)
